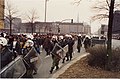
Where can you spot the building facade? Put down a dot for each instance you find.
(1, 14)
(116, 22)
(16, 25)
(56, 27)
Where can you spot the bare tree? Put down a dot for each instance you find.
(109, 35)
(31, 18)
(103, 8)
(10, 13)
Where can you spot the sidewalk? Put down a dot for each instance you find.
(63, 68)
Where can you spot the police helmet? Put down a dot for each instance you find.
(3, 41)
(79, 34)
(30, 36)
(29, 43)
(61, 37)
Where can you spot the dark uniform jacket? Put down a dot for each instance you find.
(70, 45)
(5, 57)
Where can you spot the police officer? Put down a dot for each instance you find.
(70, 48)
(87, 43)
(5, 53)
(79, 43)
(55, 57)
(29, 44)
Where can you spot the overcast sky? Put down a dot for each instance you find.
(58, 10)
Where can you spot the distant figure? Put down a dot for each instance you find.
(70, 48)
(87, 43)
(79, 43)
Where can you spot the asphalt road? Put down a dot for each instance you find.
(46, 62)
(43, 71)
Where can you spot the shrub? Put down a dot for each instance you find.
(98, 57)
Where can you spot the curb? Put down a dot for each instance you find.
(64, 68)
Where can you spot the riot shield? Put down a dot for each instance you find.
(59, 51)
(15, 69)
(33, 57)
(75, 46)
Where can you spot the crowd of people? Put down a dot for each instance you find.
(12, 46)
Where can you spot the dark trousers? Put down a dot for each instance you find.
(48, 51)
(69, 55)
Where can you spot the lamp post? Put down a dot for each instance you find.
(45, 10)
(45, 14)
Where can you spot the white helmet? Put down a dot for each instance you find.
(67, 35)
(61, 37)
(30, 36)
(54, 37)
(79, 34)
(70, 36)
(87, 36)
(29, 43)
(3, 41)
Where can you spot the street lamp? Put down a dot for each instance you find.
(45, 10)
(45, 14)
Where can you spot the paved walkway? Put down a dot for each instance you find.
(43, 71)
(67, 65)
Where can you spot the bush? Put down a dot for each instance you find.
(98, 58)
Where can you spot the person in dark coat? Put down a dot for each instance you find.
(79, 43)
(87, 43)
(70, 48)
(16, 47)
(47, 46)
(5, 54)
(55, 57)
(37, 44)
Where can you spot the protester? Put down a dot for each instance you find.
(15, 46)
(47, 45)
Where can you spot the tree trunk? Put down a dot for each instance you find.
(10, 27)
(32, 28)
(109, 35)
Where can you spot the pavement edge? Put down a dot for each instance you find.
(63, 69)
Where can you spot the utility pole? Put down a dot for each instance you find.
(45, 10)
(109, 35)
(45, 14)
